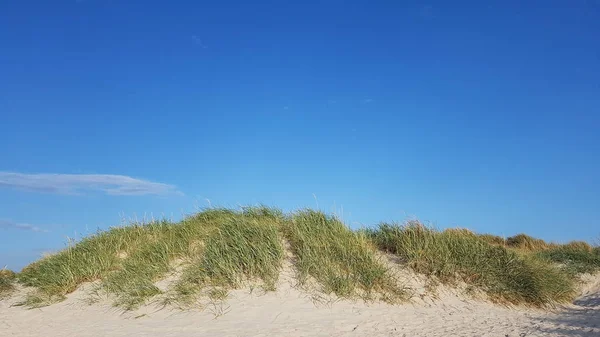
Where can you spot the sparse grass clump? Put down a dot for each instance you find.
(7, 282)
(341, 261)
(247, 247)
(457, 255)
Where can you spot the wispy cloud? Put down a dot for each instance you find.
(7, 224)
(79, 183)
(367, 101)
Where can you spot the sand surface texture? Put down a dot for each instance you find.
(290, 312)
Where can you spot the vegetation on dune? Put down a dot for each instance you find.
(526, 242)
(243, 247)
(7, 282)
(134, 282)
(89, 260)
(128, 260)
(343, 262)
(493, 239)
(576, 257)
(217, 250)
(454, 255)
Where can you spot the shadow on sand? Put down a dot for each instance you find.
(580, 320)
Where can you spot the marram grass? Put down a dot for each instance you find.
(7, 282)
(458, 255)
(242, 248)
(217, 250)
(343, 262)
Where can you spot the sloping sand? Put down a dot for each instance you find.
(290, 312)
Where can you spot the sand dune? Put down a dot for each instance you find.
(290, 312)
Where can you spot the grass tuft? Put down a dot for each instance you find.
(458, 255)
(341, 261)
(263, 213)
(246, 247)
(580, 245)
(134, 282)
(91, 259)
(493, 239)
(7, 282)
(526, 242)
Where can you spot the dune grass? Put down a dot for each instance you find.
(245, 247)
(127, 260)
(134, 282)
(217, 250)
(165, 244)
(526, 242)
(576, 257)
(493, 239)
(91, 259)
(7, 282)
(459, 255)
(343, 262)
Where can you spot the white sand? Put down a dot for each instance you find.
(289, 312)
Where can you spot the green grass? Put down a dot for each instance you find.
(341, 261)
(217, 250)
(7, 282)
(91, 259)
(459, 255)
(246, 247)
(576, 257)
(134, 282)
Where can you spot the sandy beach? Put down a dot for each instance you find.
(290, 312)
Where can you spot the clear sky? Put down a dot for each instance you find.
(479, 114)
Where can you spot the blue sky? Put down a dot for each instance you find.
(479, 114)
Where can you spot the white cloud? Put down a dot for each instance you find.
(7, 224)
(367, 101)
(79, 183)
